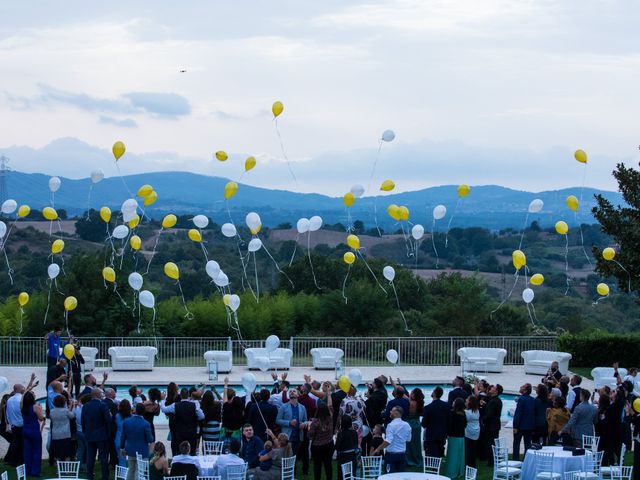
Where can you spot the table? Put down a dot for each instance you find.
(412, 476)
(563, 461)
(207, 464)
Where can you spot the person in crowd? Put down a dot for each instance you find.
(557, 417)
(33, 421)
(14, 418)
(81, 441)
(172, 396)
(455, 463)
(416, 407)
(573, 396)
(375, 404)
(399, 400)
(523, 420)
(337, 396)
(457, 391)
(353, 406)
(631, 376)
(124, 412)
(633, 417)
(57, 372)
(346, 444)
(611, 428)
(553, 375)
(563, 385)
(75, 368)
(262, 415)
(54, 389)
(582, 419)
(251, 446)
(152, 409)
(136, 395)
(321, 437)
(53, 346)
(187, 415)
(185, 464)
(541, 406)
(279, 393)
(308, 400)
(472, 430)
(491, 420)
(266, 448)
(61, 416)
(96, 422)
(212, 410)
(376, 440)
(232, 413)
(282, 449)
(395, 443)
(435, 422)
(136, 439)
(227, 459)
(5, 429)
(158, 465)
(292, 419)
(90, 383)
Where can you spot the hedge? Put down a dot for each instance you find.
(601, 349)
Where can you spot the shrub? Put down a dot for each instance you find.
(601, 349)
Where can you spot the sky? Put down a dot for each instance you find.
(477, 91)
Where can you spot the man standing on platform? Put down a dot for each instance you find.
(53, 345)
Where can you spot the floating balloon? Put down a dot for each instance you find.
(230, 189)
(171, 270)
(57, 246)
(527, 295)
(562, 228)
(128, 209)
(135, 280)
(249, 163)
(603, 289)
(392, 356)
(222, 155)
(635, 404)
(229, 230)
(536, 205)
(277, 108)
(54, 184)
(194, 235)
(537, 279)
(150, 199)
(349, 199)
(53, 270)
(212, 268)
(572, 202)
(221, 280)
(387, 186)
(144, 190)
(417, 231)
(253, 222)
(272, 343)
(349, 258)
(120, 232)
(4, 383)
(147, 299)
(24, 211)
(105, 214)
(353, 241)
(234, 302)
(169, 221)
(134, 222)
(439, 212)
(315, 223)
(225, 299)
(388, 136)
(608, 253)
(118, 150)
(70, 303)
(3, 229)
(581, 156)
(201, 221)
(394, 211)
(404, 213)
(519, 259)
(9, 206)
(389, 273)
(303, 225)
(97, 176)
(69, 351)
(344, 384)
(255, 244)
(355, 377)
(109, 274)
(23, 299)
(464, 190)
(248, 382)
(357, 190)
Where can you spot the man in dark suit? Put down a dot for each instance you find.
(491, 420)
(375, 404)
(435, 422)
(262, 410)
(136, 439)
(110, 400)
(96, 425)
(457, 391)
(524, 420)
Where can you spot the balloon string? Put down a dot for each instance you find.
(113, 248)
(21, 315)
(125, 242)
(204, 251)
(119, 296)
(3, 243)
(526, 219)
(284, 153)
(313, 273)
(344, 285)
(598, 300)
(9, 269)
(153, 252)
(276, 264)
(446, 238)
(433, 242)
(255, 267)
(417, 248)
(123, 182)
(66, 322)
(375, 163)
(153, 326)
(516, 275)
(406, 326)
(566, 263)
(295, 248)
(375, 214)
(575, 217)
(532, 313)
(187, 315)
(244, 269)
(407, 242)
(350, 227)
(46, 313)
(371, 271)
(628, 274)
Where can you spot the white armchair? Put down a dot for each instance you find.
(224, 359)
(132, 358)
(89, 354)
(475, 359)
(326, 358)
(279, 359)
(604, 376)
(539, 361)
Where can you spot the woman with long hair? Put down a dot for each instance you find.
(321, 437)
(158, 465)
(455, 466)
(124, 412)
(472, 430)
(173, 396)
(557, 417)
(212, 410)
(281, 449)
(414, 447)
(541, 406)
(33, 421)
(61, 416)
(152, 408)
(346, 445)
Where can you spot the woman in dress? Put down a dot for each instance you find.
(472, 431)
(455, 466)
(158, 465)
(173, 396)
(33, 421)
(61, 416)
(212, 410)
(541, 406)
(124, 412)
(414, 447)
(281, 449)
(346, 445)
(321, 437)
(557, 417)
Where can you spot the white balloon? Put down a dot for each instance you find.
(54, 184)
(253, 221)
(272, 343)
(392, 356)
(355, 376)
(97, 175)
(147, 299)
(249, 382)
(120, 232)
(234, 302)
(357, 190)
(365, 431)
(389, 273)
(536, 205)
(213, 269)
(315, 223)
(264, 364)
(221, 280)
(9, 206)
(255, 244)
(388, 136)
(201, 221)
(135, 281)
(303, 225)
(128, 209)
(527, 295)
(4, 383)
(439, 212)
(229, 230)
(53, 270)
(3, 228)
(417, 231)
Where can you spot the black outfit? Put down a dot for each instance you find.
(635, 423)
(187, 469)
(491, 426)
(541, 429)
(175, 450)
(233, 415)
(435, 422)
(54, 372)
(611, 431)
(457, 392)
(268, 411)
(75, 369)
(457, 424)
(577, 401)
(346, 449)
(113, 409)
(186, 421)
(336, 399)
(374, 407)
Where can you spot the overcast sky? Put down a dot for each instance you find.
(477, 91)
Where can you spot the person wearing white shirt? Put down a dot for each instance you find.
(573, 397)
(231, 458)
(187, 414)
(14, 419)
(395, 442)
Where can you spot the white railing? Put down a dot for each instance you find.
(358, 351)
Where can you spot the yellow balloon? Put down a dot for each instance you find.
(344, 384)
(353, 241)
(463, 190)
(636, 405)
(581, 156)
(394, 211)
(519, 259)
(69, 351)
(195, 235)
(105, 214)
(225, 299)
(404, 213)
(23, 299)
(23, 211)
(572, 202)
(150, 199)
(387, 186)
(537, 279)
(277, 108)
(171, 270)
(349, 199)
(133, 223)
(602, 289)
(249, 163)
(49, 213)
(230, 189)
(608, 253)
(255, 231)
(562, 228)
(169, 221)
(70, 303)
(222, 155)
(145, 190)
(349, 258)
(136, 242)
(118, 150)
(109, 274)
(57, 246)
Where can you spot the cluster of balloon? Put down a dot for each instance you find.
(392, 356)
(8, 207)
(535, 206)
(277, 108)
(169, 221)
(96, 177)
(385, 186)
(172, 271)
(609, 254)
(439, 212)
(463, 191)
(232, 303)
(519, 260)
(401, 214)
(23, 299)
(563, 229)
(308, 225)
(70, 304)
(195, 234)
(603, 291)
(390, 274)
(354, 243)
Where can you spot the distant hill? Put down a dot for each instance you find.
(489, 206)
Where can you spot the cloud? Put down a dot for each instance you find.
(125, 122)
(169, 105)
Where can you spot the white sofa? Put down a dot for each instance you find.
(279, 359)
(326, 358)
(89, 354)
(132, 358)
(476, 359)
(539, 361)
(604, 376)
(224, 359)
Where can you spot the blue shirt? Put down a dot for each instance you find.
(53, 346)
(295, 415)
(50, 396)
